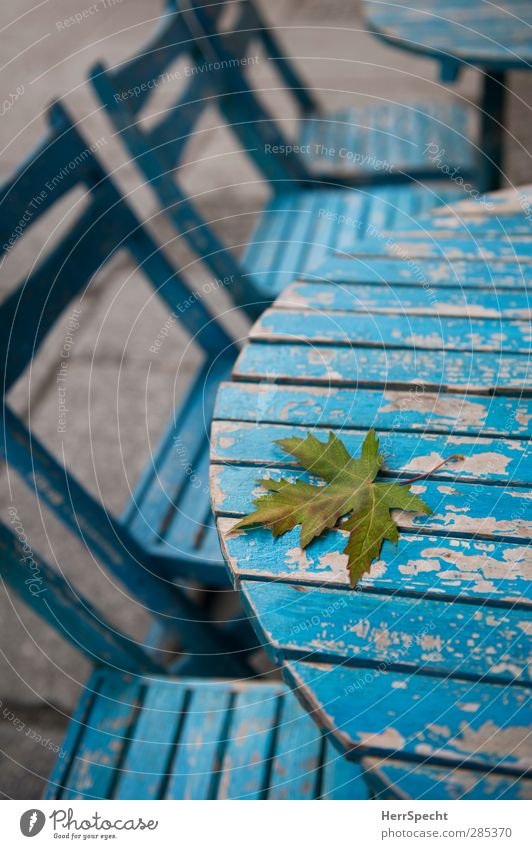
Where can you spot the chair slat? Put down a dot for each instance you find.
(193, 772)
(197, 739)
(152, 744)
(94, 764)
(155, 498)
(73, 735)
(389, 138)
(342, 779)
(298, 753)
(187, 526)
(246, 760)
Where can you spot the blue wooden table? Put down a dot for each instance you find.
(492, 37)
(428, 662)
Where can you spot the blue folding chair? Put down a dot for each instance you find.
(137, 733)
(378, 143)
(308, 216)
(167, 527)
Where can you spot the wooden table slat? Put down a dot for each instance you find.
(418, 717)
(383, 409)
(400, 330)
(407, 300)
(448, 273)
(459, 509)
(495, 572)
(488, 459)
(366, 629)
(510, 249)
(480, 372)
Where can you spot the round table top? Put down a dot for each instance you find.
(428, 660)
(477, 32)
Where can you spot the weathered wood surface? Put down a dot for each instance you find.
(487, 571)
(429, 659)
(446, 274)
(389, 137)
(400, 330)
(494, 460)
(390, 298)
(479, 33)
(386, 409)
(475, 372)
(502, 204)
(298, 230)
(492, 215)
(427, 246)
(169, 511)
(390, 780)
(470, 509)
(409, 635)
(419, 717)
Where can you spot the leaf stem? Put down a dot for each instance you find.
(452, 459)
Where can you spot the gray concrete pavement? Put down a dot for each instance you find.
(41, 677)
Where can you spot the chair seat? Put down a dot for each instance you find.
(145, 738)
(169, 513)
(385, 138)
(298, 230)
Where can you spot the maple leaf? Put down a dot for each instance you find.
(349, 491)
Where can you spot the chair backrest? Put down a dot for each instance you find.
(107, 224)
(180, 35)
(55, 600)
(63, 161)
(158, 149)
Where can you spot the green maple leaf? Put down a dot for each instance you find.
(349, 491)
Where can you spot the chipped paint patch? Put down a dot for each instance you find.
(479, 465)
(389, 739)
